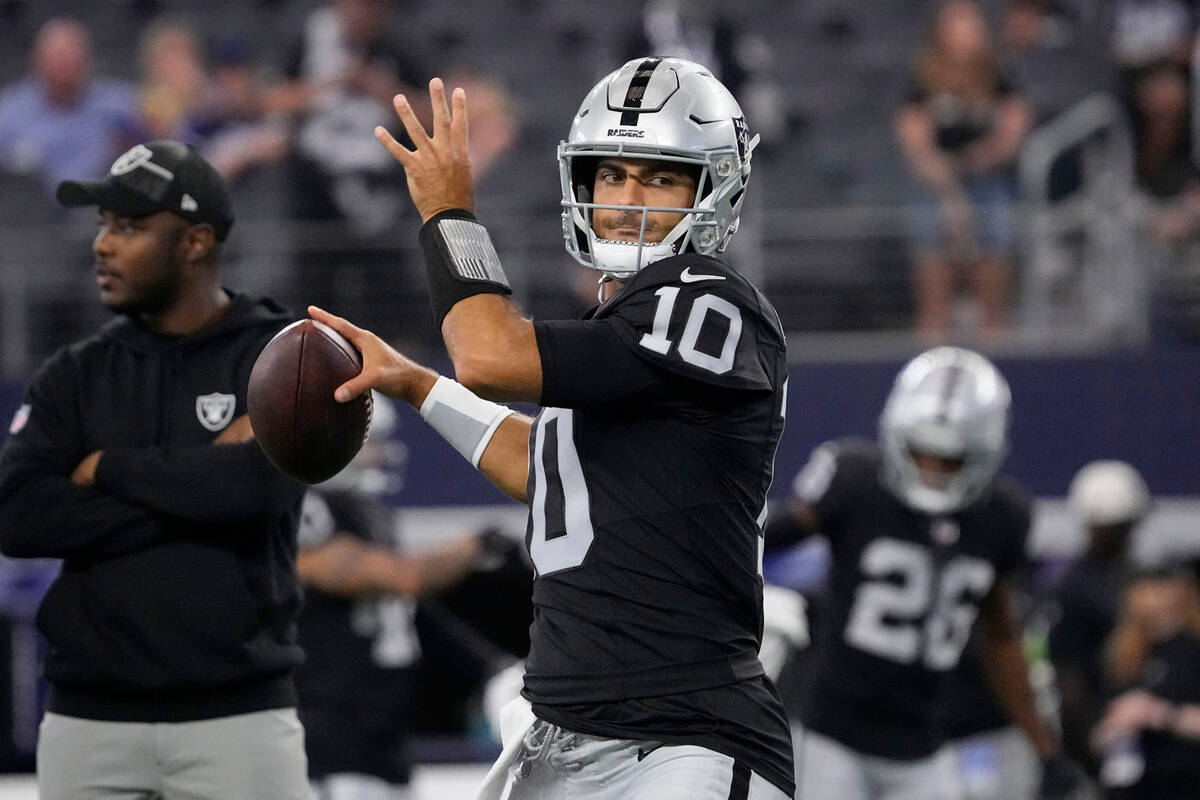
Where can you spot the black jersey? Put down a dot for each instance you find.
(649, 468)
(905, 589)
(357, 685)
(1172, 770)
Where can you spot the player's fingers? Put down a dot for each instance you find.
(398, 151)
(343, 326)
(352, 388)
(441, 111)
(416, 131)
(459, 127)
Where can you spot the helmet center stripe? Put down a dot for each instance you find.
(637, 90)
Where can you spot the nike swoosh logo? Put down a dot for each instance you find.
(643, 753)
(687, 277)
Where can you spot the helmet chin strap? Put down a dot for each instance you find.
(621, 260)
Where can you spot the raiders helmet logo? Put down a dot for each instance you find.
(215, 410)
(743, 136)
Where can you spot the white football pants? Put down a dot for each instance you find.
(829, 770)
(549, 763)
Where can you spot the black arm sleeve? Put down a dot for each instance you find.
(587, 364)
(42, 513)
(47, 516)
(204, 483)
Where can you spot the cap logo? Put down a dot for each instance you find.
(139, 156)
(188, 203)
(215, 410)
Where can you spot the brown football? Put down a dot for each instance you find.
(297, 423)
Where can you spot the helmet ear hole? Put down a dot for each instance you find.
(583, 177)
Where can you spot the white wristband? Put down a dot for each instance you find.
(464, 419)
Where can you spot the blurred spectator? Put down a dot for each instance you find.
(1111, 500)
(1057, 58)
(1150, 32)
(1161, 110)
(173, 80)
(60, 121)
(960, 132)
(233, 121)
(710, 33)
(1152, 45)
(691, 30)
(359, 685)
(344, 70)
(494, 120)
(1047, 54)
(1150, 733)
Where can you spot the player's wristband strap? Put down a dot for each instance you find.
(460, 261)
(463, 418)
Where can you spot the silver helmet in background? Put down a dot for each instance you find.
(1109, 492)
(665, 109)
(380, 467)
(950, 403)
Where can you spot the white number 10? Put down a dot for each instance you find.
(657, 339)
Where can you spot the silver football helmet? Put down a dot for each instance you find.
(1108, 492)
(951, 403)
(378, 468)
(666, 109)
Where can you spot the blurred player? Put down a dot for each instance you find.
(1110, 499)
(924, 536)
(1150, 730)
(647, 469)
(358, 684)
(994, 758)
(171, 628)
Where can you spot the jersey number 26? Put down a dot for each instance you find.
(906, 609)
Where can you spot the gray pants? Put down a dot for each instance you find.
(829, 770)
(555, 764)
(258, 756)
(998, 765)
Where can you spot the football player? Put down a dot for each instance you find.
(923, 535)
(358, 686)
(1110, 499)
(646, 470)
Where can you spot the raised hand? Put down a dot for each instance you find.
(438, 169)
(384, 368)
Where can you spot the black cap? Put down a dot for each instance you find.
(158, 176)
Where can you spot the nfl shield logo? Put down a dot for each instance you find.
(944, 531)
(19, 419)
(215, 410)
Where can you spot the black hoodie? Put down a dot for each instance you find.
(178, 594)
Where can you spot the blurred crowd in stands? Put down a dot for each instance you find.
(898, 170)
(917, 116)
